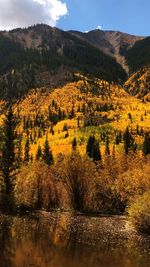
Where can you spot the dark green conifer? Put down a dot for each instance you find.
(89, 147)
(47, 154)
(27, 151)
(39, 153)
(74, 144)
(146, 144)
(92, 149)
(137, 129)
(107, 149)
(8, 161)
(128, 141)
(96, 152)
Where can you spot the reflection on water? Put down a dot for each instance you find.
(65, 240)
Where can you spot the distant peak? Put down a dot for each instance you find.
(99, 28)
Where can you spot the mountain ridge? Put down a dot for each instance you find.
(39, 49)
(42, 55)
(110, 42)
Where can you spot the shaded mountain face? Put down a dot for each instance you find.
(138, 59)
(139, 55)
(44, 56)
(27, 53)
(112, 43)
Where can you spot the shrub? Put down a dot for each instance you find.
(133, 182)
(108, 199)
(77, 175)
(139, 213)
(36, 187)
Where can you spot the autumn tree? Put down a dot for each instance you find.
(77, 175)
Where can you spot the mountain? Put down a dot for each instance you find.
(113, 43)
(131, 52)
(138, 60)
(139, 55)
(43, 49)
(69, 85)
(47, 56)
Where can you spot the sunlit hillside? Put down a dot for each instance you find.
(77, 110)
(139, 84)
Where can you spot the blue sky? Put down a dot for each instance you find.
(131, 16)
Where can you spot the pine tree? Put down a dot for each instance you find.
(118, 138)
(89, 147)
(117, 141)
(9, 164)
(72, 114)
(128, 141)
(92, 149)
(65, 127)
(39, 153)
(74, 144)
(113, 152)
(96, 152)
(19, 150)
(107, 149)
(47, 154)
(27, 151)
(59, 114)
(146, 144)
(130, 117)
(137, 129)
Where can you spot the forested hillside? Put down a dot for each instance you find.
(22, 64)
(139, 84)
(139, 55)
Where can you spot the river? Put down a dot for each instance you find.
(68, 240)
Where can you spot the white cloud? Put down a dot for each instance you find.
(23, 13)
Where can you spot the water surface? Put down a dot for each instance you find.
(67, 240)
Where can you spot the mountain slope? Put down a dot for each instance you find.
(112, 43)
(139, 55)
(139, 83)
(41, 48)
(77, 110)
(44, 56)
(138, 59)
